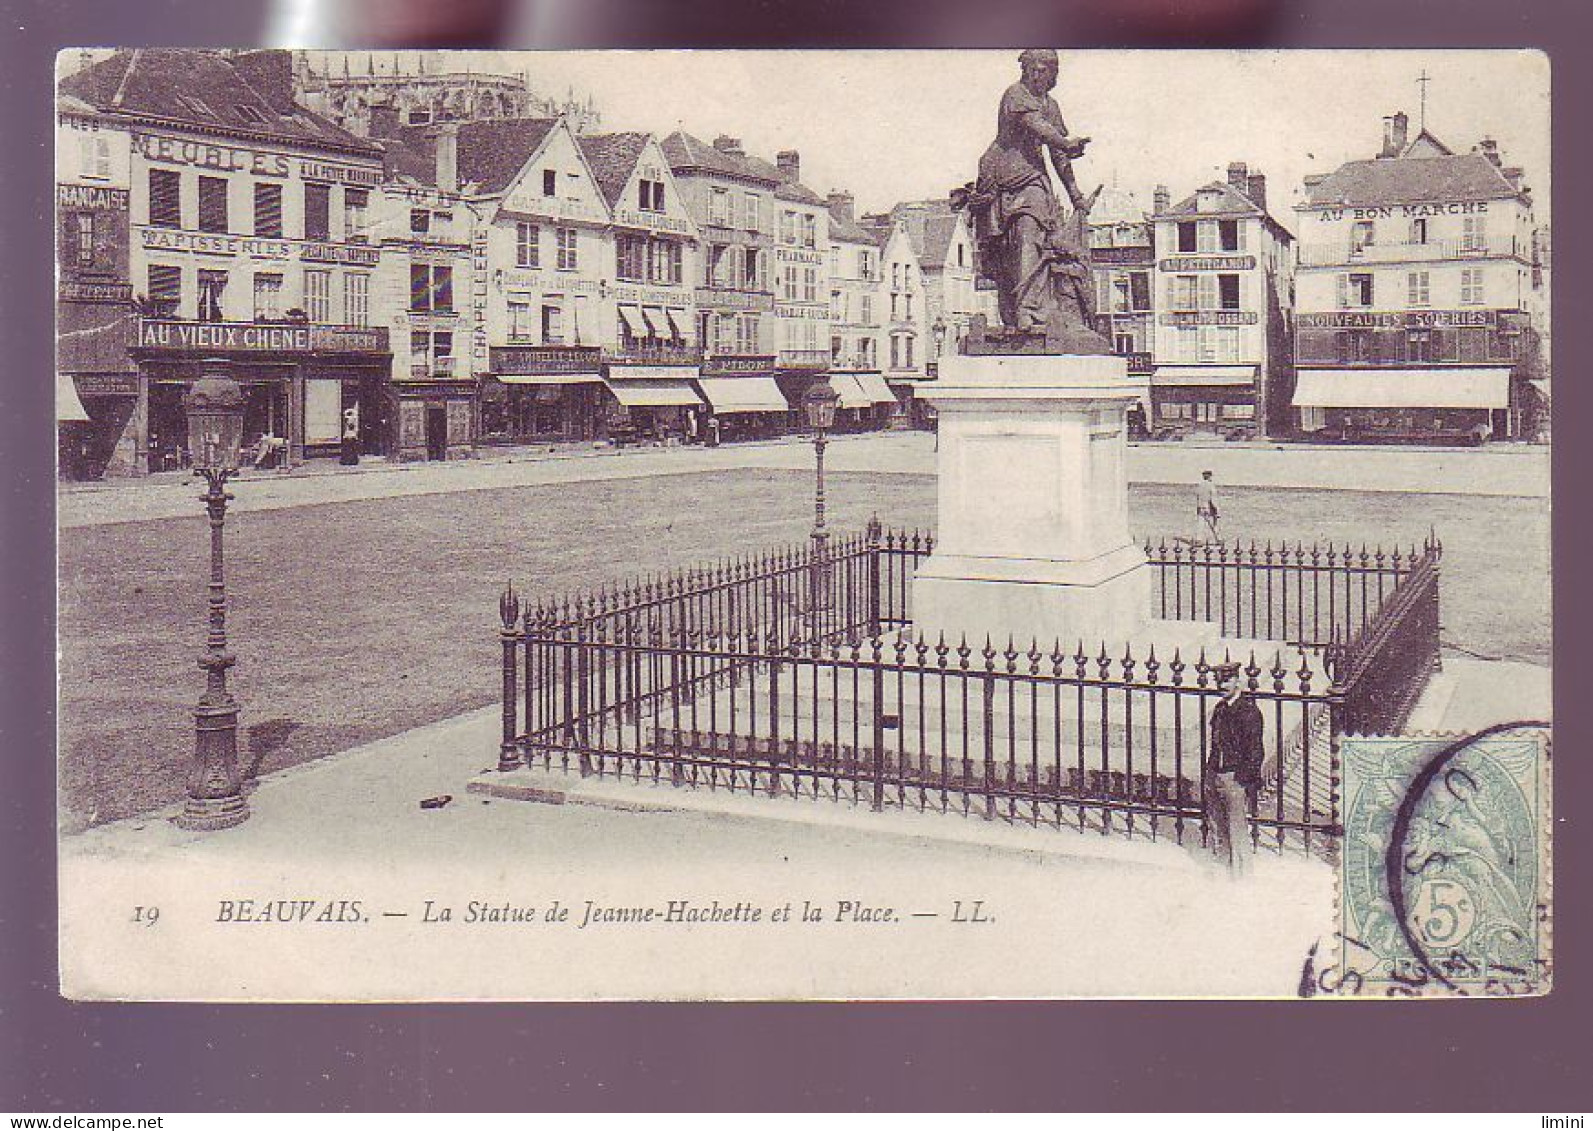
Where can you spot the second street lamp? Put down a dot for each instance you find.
(819, 405)
(214, 405)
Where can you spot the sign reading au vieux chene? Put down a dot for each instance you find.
(257, 337)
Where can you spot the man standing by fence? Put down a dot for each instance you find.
(1206, 504)
(1233, 770)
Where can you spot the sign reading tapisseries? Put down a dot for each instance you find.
(257, 162)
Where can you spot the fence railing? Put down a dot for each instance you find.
(798, 673)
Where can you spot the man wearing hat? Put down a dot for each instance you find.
(1206, 504)
(1233, 769)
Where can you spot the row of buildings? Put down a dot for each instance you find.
(463, 263)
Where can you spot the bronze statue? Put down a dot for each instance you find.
(1037, 257)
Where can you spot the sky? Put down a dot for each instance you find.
(906, 125)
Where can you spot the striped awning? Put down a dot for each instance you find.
(654, 392)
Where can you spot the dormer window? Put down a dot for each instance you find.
(249, 114)
(195, 106)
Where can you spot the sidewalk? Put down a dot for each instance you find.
(1514, 471)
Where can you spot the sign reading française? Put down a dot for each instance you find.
(546, 359)
(254, 337)
(97, 197)
(1395, 319)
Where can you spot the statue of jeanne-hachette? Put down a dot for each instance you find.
(1037, 258)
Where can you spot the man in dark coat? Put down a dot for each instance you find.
(1233, 769)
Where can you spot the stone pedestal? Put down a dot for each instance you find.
(1033, 538)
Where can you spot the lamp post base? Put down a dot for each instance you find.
(208, 814)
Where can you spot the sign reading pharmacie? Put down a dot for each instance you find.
(1396, 319)
(546, 359)
(1209, 263)
(259, 337)
(1210, 318)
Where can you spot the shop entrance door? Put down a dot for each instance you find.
(436, 431)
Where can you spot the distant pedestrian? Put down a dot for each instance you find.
(1206, 504)
(713, 431)
(1234, 762)
(351, 436)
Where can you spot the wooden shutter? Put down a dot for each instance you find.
(268, 211)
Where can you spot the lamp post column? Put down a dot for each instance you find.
(215, 795)
(820, 580)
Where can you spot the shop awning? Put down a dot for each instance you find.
(1403, 388)
(678, 322)
(850, 392)
(67, 405)
(743, 394)
(1203, 375)
(549, 378)
(657, 323)
(653, 392)
(875, 388)
(632, 317)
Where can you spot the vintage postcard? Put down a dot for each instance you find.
(803, 525)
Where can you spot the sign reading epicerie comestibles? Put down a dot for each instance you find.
(237, 159)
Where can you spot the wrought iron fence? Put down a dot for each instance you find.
(798, 673)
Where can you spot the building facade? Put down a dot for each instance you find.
(97, 386)
(1123, 265)
(248, 239)
(904, 330)
(1418, 298)
(855, 315)
(802, 292)
(1221, 350)
(942, 242)
(731, 197)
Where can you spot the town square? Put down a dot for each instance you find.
(602, 518)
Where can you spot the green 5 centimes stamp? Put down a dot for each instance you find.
(1444, 875)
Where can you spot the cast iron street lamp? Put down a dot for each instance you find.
(214, 405)
(819, 404)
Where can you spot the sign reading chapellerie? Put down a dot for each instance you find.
(254, 337)
(1395, 319)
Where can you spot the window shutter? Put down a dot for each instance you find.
(442, 288)
(165, 198)
(1206, 293)
(419, 287)
(1344, 292)
(268, 211)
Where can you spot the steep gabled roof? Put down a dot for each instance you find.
(492, 152)
(1424, 144)
(930, 224)
(411, 155)
(613, 159)
(1410, 180)
(685, 152)
(798, 193)
(203, 89)
(1233, 202)
(849, 231)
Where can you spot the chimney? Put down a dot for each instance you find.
(1161, 201)
(724, 143)
(789, 162)
(1237, 175)
(841, 204)
(1490, 150)
(384, 120)
(1257, 191)
(1401, 132)
(448, 158)
(1513, 174)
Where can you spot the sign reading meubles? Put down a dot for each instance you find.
(254, 337)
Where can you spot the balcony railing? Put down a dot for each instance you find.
(439, 368)
(1338, 254)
